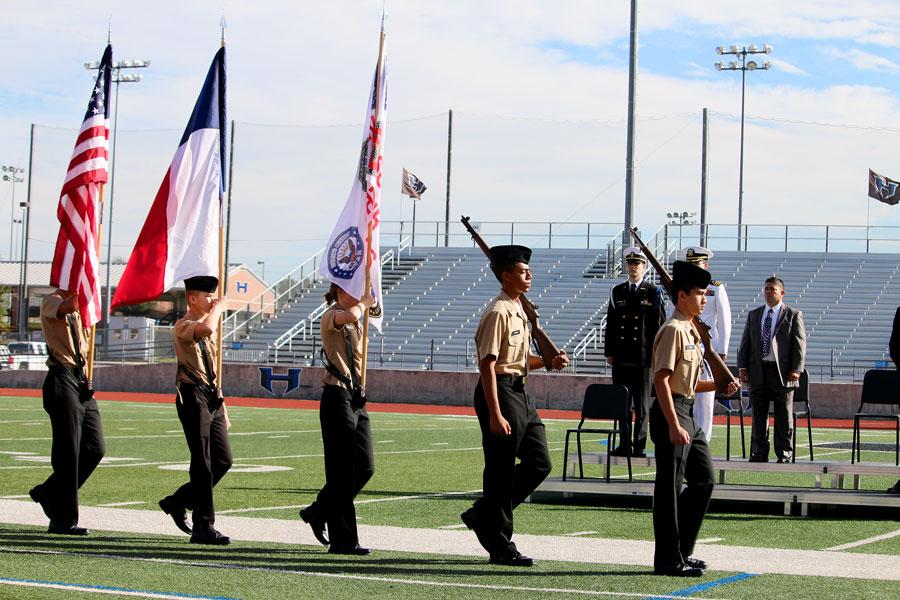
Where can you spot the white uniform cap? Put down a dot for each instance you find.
(634, 253)
(697, 253)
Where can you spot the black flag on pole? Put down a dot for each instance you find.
(412, 185)
(883, 189)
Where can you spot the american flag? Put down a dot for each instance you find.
(75, 264)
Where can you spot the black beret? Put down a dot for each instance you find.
(201, 283)
(688, 275)
(504, 257)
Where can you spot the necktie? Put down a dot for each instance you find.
(633, 289)
(767, 333)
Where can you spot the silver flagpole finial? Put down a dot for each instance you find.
(223, 24)
(109, 31)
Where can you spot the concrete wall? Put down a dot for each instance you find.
(829, 400)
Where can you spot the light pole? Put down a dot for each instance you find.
(681, 219)
(263, 263)
(744, 66)
(11, 174)
(118, 76)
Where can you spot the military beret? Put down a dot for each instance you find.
(201, 283)
(688, 276)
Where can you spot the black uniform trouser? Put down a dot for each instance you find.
(349, 464)
(678, 513)
(637, 380)
(207, 440)
(506, 483)
(782, 400)
(77, 448)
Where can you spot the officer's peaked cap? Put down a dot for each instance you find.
(697, 253)
(686, 275)
(633, 253)
(201, 283)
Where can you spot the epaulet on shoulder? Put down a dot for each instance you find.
(715, 282)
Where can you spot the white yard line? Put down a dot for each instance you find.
(871, 540)
(90, 589)
(347, 576)
(578, 533)
(118, 504)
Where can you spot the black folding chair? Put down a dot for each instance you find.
(728, 404)
(601, 402)
(879, 388)
(802, 409)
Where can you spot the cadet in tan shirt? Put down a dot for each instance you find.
(682, 453)
(346, 432)
(202, 412)
(510, 425)
(78, 444)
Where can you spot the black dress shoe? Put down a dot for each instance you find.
(697, 563)
(894, 489)
(758, 458)
(782, 460)
(317, 526)
(178, 513)
(210, 537)
(37, 494)
(682, 570)
(620, 451)
(512, 559)
(639, 454)
(356, 550)
(60, 529)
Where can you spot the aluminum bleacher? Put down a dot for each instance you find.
(434, 297)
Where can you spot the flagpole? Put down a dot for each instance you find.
(368, 287)
(223, 124)
(90, 360)
(868, 208)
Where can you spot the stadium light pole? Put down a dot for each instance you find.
(743, 66)
(681, 219)
(263, 263)
(119, 75)
(11, 174)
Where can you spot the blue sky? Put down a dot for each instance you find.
(539, 92)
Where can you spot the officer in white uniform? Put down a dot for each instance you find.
(716, 314)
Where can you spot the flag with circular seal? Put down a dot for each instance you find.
(346, 254)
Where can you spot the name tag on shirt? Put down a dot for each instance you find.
(691, 347)
(516, 332)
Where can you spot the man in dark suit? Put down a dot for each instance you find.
(635, 314)
(770, 359)
(894, 349)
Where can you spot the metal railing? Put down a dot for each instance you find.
(535, 234)
(307, 275)
(788, 238)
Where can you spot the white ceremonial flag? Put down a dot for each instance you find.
(345, 259)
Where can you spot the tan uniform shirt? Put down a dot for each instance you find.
(335, 348)
(187, 351)
(503, 332)
(60, 346)
(677, 348)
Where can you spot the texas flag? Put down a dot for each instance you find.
(180, 236)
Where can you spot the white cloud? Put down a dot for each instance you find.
(783, 65)
(864, 61)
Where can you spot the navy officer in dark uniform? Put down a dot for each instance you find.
(635, 313)
(510, 426)
(682, 453)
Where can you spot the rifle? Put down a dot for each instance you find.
(720, 371)
(546, 347)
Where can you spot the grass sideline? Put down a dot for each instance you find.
(428, 471)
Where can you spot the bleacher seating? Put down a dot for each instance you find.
(434, 297)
